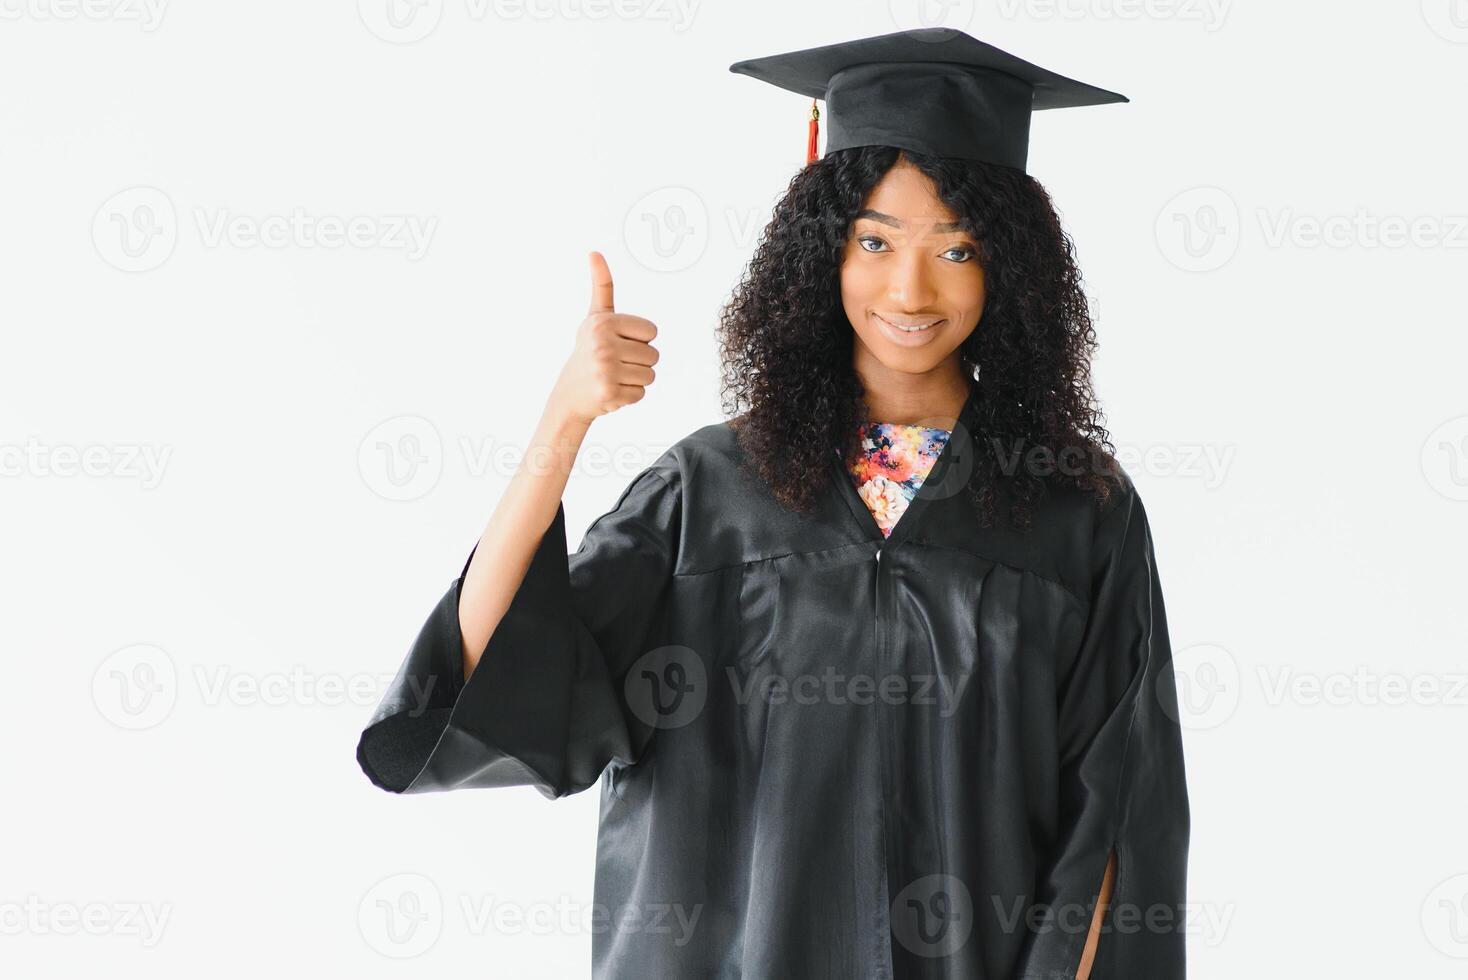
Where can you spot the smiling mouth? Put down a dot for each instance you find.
(916, 327)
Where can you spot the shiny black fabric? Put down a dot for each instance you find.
(826, 755)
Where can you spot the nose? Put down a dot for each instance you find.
(910, 288)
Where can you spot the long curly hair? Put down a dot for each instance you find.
(786, 344)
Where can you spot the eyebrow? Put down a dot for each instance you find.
(887, 219)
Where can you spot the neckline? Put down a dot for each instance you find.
(871, 530)
(868, 423)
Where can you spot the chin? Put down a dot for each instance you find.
(906, 361)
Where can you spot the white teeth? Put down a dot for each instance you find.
(909, 329)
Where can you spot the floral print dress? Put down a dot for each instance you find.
(891, 462)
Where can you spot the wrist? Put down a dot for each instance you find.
(562, 428)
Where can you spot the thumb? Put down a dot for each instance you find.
(601, 284)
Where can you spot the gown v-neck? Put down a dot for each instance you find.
(891, 461)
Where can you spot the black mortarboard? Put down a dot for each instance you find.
(935, 91)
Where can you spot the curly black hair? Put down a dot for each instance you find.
(786, 344)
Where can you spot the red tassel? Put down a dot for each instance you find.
(815, 128)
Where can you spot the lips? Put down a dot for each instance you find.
(909, 326)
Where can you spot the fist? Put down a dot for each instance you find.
(611, 364)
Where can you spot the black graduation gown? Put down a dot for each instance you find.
(823, 754)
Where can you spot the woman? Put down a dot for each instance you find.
(875, 675)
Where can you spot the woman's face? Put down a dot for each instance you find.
(906, 265)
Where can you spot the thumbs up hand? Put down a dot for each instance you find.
(611, 364)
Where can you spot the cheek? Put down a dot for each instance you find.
(973, 296)
(856, 286)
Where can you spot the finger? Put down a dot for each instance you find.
(634, 351)
(633, 374)
(635, 327)
(601, 284)
(630, 393)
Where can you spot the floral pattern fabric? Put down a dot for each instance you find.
(891, 462)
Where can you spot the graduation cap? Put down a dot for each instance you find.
(935, 91)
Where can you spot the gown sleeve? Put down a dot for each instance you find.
(1122, 783)
(545, 706)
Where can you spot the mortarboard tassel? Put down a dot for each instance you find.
(815, 129)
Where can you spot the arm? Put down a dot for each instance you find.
(610, 367)
(1123, 789)
(1088, 956)
(515, 529)
(517, 674)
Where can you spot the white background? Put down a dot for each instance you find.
(198, 621)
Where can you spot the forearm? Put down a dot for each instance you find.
(1088, 955)
(519, 521)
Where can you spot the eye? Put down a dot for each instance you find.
(868, 238)
(963, 250)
